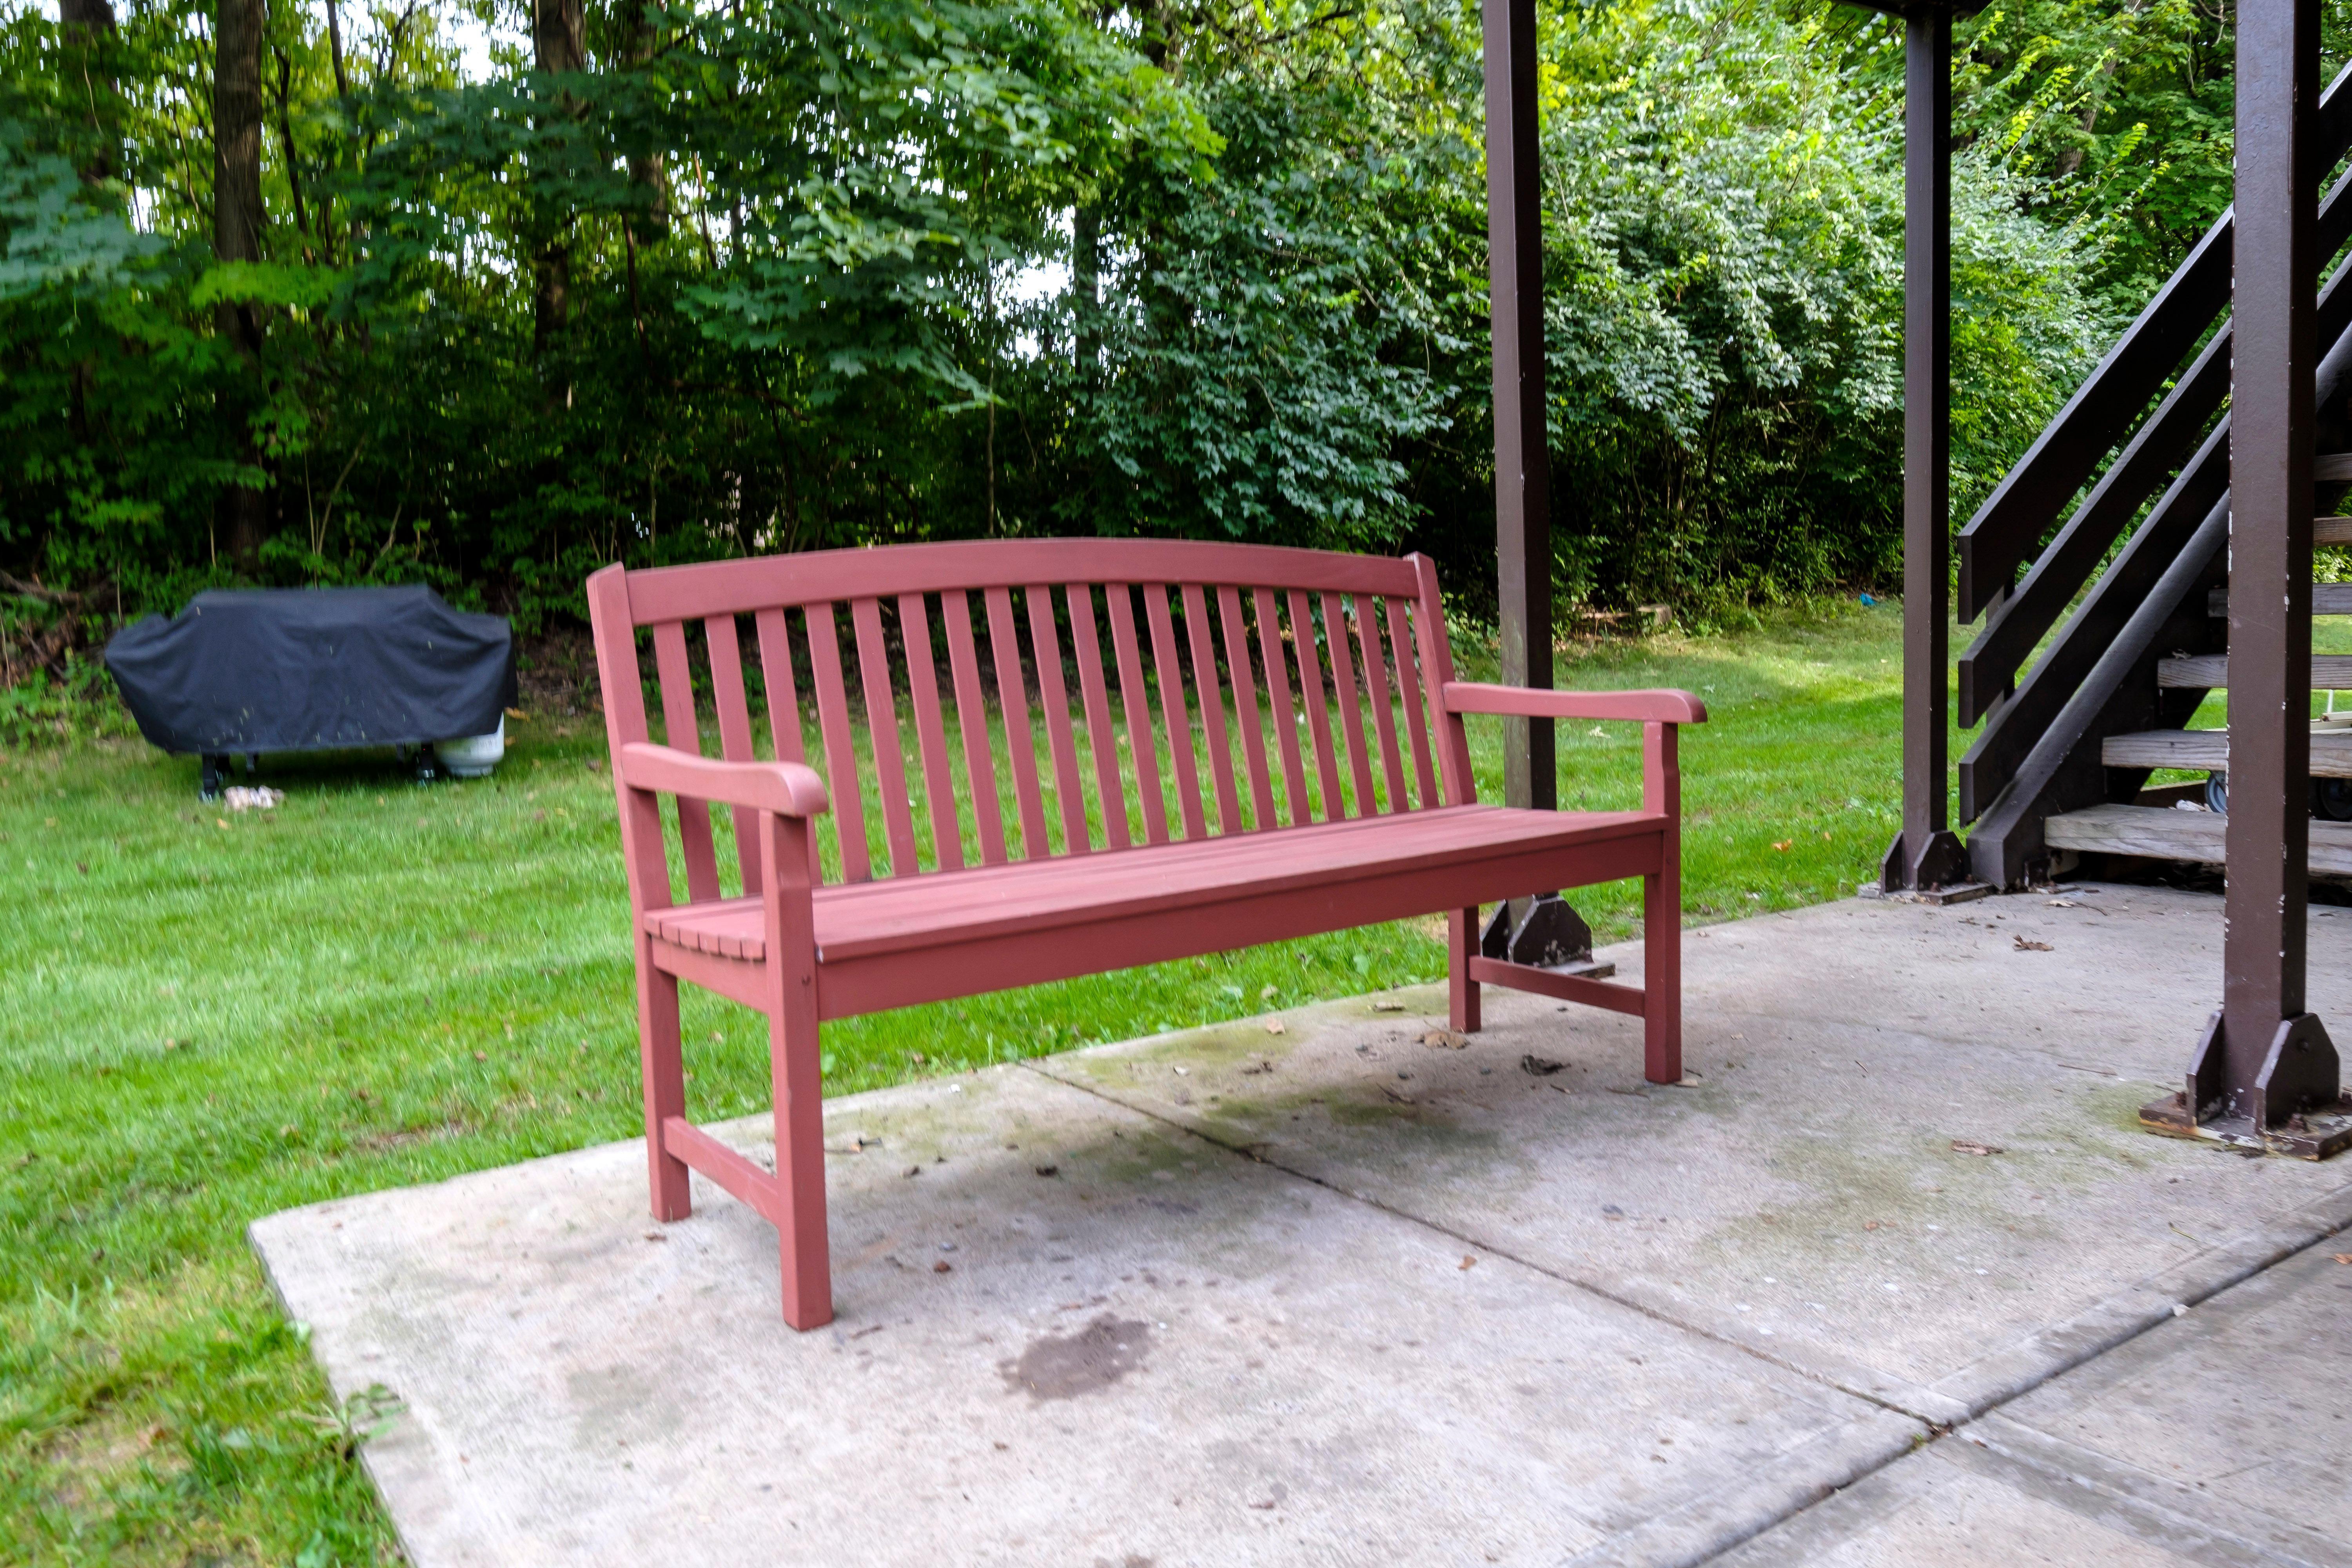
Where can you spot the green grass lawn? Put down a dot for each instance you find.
(206, 1017)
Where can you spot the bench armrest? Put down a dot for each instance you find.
(1528, 702)
(787, 789)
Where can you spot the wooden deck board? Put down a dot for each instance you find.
(2331, 750)
(2170, 833)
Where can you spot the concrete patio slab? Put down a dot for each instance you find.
(2218, 1438)
(1341, 1293)
(1161, 1352)
(1817, 1194)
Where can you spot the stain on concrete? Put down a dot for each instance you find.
(1064, 1366)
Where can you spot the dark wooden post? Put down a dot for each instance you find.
(1522, 464)
(1925, 854)
(2264, 1058)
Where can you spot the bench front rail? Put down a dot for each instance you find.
(1263, 743)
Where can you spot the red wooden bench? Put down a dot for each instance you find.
(1129, 842)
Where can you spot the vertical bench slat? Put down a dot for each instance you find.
(971, 718)
(1246, 714)
(1376, 688)
(783, 704)
(840, 756)
(882, 734)
(923, 684)
(1174, 716)
(1285, 717)
(1437, 669)
(1206, 686)
(1054, 696)
(1412, 684)
(1020, 740)
(1086, 637)
(1134, 698)
(1310, 693)
(682, 733)
(1343, 678)
(726, 651)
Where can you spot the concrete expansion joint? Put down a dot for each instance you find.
(1708, 1528)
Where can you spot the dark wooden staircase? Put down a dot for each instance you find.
(2073, 722)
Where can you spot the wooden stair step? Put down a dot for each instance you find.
(2209, 750)
(2331, 466)
(2329, 672)
(2326, 598)
(2331, 530)
(2168, 833)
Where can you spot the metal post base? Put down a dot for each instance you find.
(1942, 862)
(2296, 1107)
(1549, 934)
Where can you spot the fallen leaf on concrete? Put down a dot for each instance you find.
(2024, 946)
(1253, 1072)
(1965, 1146)
(1388, 1007)
(1539, 1067)
(655, 1236)
(1690, 1081)
(1466, 1262)
(1445, 1040)
(2344, 1257)
(1262, 1505)
(914, 1170)
(1276, 1027)
(1049, 1170)
(1785, 845)
(1394, 1096)
(1870, 1225)
(942, 1267)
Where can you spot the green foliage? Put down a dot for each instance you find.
(789, 276)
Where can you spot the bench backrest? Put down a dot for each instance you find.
(1208, 646)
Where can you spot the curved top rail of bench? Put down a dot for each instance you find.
(821, 577)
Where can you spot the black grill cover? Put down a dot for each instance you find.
(296, 668)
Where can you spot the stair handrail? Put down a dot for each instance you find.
(2019, 619)
(2007, 527)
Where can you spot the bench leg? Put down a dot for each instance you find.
(664, 1073)
(1461, 990)
(1662, 974)
(800, 1165)
(796, 1076)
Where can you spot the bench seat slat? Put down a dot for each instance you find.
(893, 915)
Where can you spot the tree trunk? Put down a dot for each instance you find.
(237, 236)
(88, 35)
(558, 45)
(650, 169)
